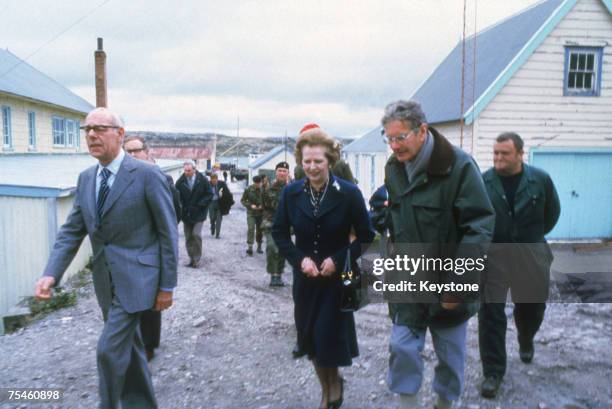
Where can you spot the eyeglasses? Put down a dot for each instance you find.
(130, 151)
(98, 128)
(399, 138)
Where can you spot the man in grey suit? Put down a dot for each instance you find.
(125, 206)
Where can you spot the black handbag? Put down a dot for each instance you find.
(354, 289)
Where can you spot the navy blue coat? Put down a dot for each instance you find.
(324, 332)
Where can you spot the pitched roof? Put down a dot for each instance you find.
(370, 142)
(267, 156)
(500, 51)
(17, 77)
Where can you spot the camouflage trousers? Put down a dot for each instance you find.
(254, 229)
(275, 262)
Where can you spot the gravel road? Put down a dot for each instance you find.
(226, 343)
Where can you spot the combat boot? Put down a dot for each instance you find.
(259, 250)
(250, 250)
(272, 281)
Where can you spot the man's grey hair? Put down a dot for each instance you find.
(116, 120)
(409, 113)
(189, 162)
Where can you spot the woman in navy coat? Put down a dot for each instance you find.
(323, 211)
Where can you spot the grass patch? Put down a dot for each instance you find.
(60, 299)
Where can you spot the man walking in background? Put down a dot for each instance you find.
(221, 201)
(150, 320)
(196, 195)
(252, 200)
(275, 263)
(526, 209)
(125, 206)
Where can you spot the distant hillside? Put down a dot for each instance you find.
(224, 142)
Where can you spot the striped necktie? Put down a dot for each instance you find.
(103, 193)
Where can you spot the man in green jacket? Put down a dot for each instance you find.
(526, 208)
(252, 200)
(438, 205)
(275, 263)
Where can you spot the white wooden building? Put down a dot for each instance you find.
(37, 114)
(367, 157)
(265, 164)
(546, 74)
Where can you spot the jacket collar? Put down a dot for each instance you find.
(493, 178)
(333, 196)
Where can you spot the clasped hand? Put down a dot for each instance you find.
(310, 268)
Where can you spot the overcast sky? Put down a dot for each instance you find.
(195, 66)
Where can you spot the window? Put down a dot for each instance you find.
(70, 133)
(6, 127)
(32, 130)
(372, 173)
(582, 71)
(77, 126)
(59, 131)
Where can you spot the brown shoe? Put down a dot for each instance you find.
(150, 352)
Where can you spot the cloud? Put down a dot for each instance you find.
(196, 65)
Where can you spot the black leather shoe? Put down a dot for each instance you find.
(297, 352)
(526, 354)
(338, 402)
(490, 386)
(150, 352)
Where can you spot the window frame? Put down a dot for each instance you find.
(70, 133)
(597, 70)
(7, 129)
(60, 131)
(32, 130)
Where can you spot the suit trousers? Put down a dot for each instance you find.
(492, 325)
(193, 240)
(214, 214)
(406, 363)
(122, 366)
(150, 327)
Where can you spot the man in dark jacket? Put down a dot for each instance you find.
(438, 204)
(526, 208)
(196, 195)
(219, 204)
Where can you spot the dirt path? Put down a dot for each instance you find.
(226, 344)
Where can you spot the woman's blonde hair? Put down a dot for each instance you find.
(318, 137)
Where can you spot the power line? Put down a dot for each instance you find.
(21, 61)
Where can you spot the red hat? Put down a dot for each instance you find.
(308, 127)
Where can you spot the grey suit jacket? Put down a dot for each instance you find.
(135, 242)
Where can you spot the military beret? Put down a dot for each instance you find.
(282, 164)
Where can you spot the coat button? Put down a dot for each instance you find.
(316, 252)
(315, 242)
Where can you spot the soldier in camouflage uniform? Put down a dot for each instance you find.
(252, 201)
(275, 263)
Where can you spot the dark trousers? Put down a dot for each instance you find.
(150, 327)
(492, 324)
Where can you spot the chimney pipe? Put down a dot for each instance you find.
(100, 66)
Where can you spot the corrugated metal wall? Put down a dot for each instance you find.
(25, 242)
